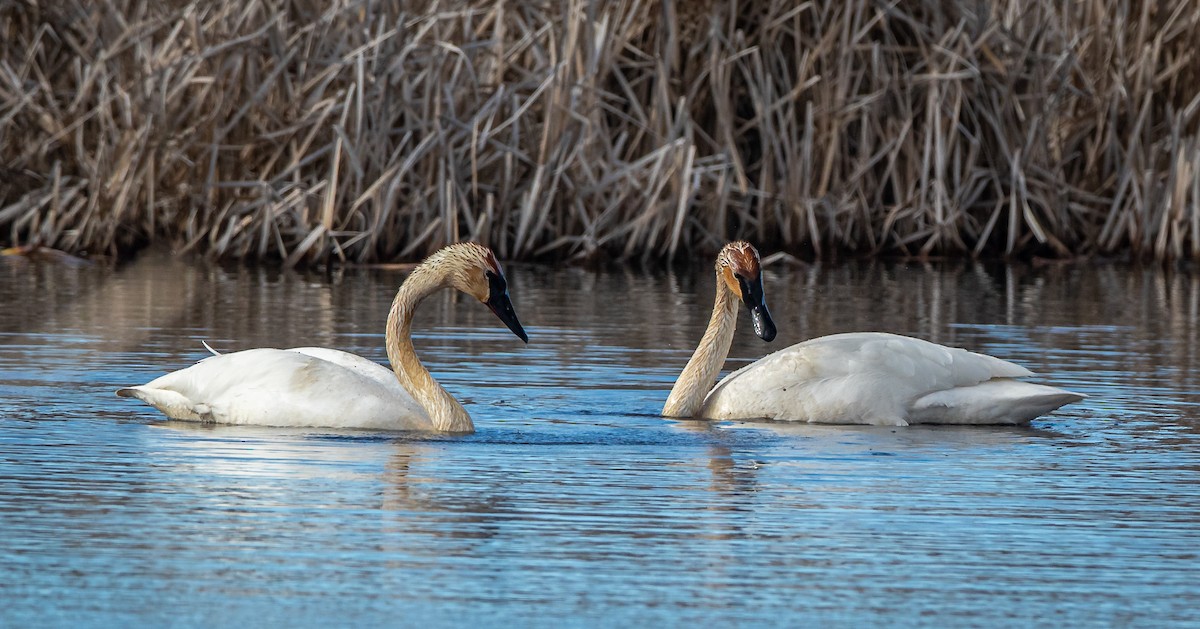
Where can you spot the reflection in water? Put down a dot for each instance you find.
(732, 472)
(574, 501)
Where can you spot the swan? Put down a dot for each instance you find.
(855, 378)
(319, 387)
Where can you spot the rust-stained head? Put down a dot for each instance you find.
(738, 267)
(738, 259)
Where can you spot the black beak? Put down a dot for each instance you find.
(500, 304)
(752, 296)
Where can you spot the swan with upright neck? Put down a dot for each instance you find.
(854, 378)
(319, 387)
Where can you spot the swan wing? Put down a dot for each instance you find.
(277, 387)
(1000, 401)
(359, 365)
(864, 377)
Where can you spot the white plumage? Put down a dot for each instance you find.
(857, 378)
(881, 379)
(315, 386)
(305, 386)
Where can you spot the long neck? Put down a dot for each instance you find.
(700, 374)
(444, 411)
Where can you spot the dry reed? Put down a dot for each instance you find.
(363, 130)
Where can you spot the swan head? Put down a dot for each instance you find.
(475, 271)
(738, 266)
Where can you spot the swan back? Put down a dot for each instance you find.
(355, 363)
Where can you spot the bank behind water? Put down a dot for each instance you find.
(380, 131)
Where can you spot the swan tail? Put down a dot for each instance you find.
(998, 401)
(172, 403)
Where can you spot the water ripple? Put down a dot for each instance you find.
(574, 503)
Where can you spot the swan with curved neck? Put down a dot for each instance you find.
(314, 386)
(854, 378)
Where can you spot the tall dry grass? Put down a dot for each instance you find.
(367, 130)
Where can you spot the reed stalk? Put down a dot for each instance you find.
(363, 130)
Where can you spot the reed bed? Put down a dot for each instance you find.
(365, 130)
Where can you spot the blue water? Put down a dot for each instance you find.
(574, 503)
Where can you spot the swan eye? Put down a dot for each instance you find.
(733, 281)
(496, 285)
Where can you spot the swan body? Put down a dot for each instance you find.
(881, 379)
(311, 387)
(856, 378)
(320, 387)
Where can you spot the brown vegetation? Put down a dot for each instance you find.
(366, 130)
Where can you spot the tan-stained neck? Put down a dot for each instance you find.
(700, 374)
(444, 411)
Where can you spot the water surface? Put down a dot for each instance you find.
(574, 503)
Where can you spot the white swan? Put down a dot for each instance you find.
(314, 386)
(857, 378)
